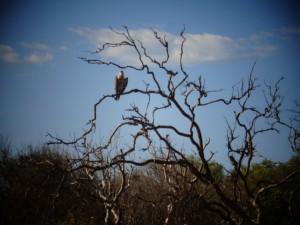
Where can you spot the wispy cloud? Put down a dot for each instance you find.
(35, 46)
(37, 53)
(199, 48)
(36, 58)
(208, 47)
(63, 48)
(8, 54)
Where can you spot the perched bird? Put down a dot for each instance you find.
(120, 84)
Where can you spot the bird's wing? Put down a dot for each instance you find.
(124, 84)
(118, 85)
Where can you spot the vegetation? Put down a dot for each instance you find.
(36, 188)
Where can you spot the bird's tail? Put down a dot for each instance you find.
(117, 97)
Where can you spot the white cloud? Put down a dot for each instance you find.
(35, 46)
(36, 58)
(8, 54)
(208, 47)
(37, 53)
(63, 48)
(198, 48)
(41, 53)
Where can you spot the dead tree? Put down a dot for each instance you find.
(108, 181)
(184, 96)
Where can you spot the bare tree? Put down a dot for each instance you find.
(180, 94)
(108, 181)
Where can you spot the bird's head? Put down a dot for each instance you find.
(121, 74)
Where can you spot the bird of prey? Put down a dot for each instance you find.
(120, 84)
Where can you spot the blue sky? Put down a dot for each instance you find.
(46, 88)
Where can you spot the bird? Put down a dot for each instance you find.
(120, 84)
